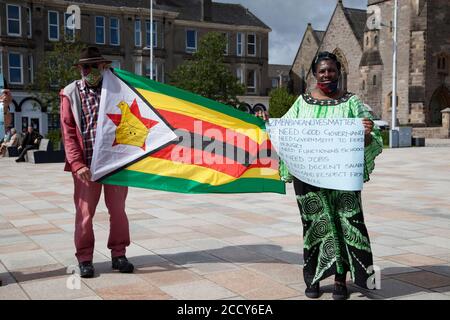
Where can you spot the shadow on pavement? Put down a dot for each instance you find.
(244, 254)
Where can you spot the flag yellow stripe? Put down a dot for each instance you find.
(164, 102)
(196, 173)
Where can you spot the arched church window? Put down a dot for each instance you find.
(344, 68)
(442, 63)
(363, 85)
(374, 80)
(375, 41)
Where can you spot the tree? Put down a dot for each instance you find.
(207, 75)
(280, 102)
(55, 71)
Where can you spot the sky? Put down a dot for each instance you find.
(288, 20)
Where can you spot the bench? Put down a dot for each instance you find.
(12, 152)
(45, 153)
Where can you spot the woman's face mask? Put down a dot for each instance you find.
(92, 75)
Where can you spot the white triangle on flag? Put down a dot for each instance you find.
(111, 154)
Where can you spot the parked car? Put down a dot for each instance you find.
(383, 125)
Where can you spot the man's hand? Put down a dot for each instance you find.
(6, 97)
(264, 115)
(84, 174)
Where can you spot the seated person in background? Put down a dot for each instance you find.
(13, 141)
(6, 137)
(30, 141)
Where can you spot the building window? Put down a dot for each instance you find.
(375, 40)
(155, 70)
(53, 121)
(374, 80)
(389, 102)
(442, 63)
(15, 64)
(14, 17)
(191, 40)
(29, 34)
(275, 83)
(251, 44)
(155, 34)
(114, 31)
(115, 64)
(100, 30)
(363, 85)
(239, 44)
(391, 26)
(69, 31)
(225, 35)
(240, 75)
(147, 33)
(30, 69)
(137, 33)
(53, 25)
(251, 81)
(367, 41)
(138, 68)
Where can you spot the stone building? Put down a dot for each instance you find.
(121, 29)
(365, 50)
(279, 75)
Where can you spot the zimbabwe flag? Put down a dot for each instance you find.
(155, 136)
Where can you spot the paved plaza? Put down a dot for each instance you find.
(238, 246)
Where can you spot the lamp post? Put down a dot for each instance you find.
(394, 134)
(151, 39)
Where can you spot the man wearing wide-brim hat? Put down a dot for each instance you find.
(80, 103)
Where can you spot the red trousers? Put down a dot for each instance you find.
(86, 197)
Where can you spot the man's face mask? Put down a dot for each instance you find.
(92, 74)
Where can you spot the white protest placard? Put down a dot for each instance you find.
(326, 153)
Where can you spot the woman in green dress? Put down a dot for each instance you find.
(335, 236)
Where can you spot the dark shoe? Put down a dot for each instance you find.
(122, 264)
(313, 291)
(340, 291)
(20, 160)
(86, 269)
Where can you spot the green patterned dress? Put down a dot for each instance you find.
(335, 236)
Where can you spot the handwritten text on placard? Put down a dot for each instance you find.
(326, 153)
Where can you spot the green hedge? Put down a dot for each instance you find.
(385, 136)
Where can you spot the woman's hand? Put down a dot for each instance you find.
(368, 126)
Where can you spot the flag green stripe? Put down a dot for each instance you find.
(149, 181)
(146, 84)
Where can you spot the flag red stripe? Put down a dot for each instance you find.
(179, 121)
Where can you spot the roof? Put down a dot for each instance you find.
(275, 69)
(319, 35)
(357, 19)
(224, 13)
(371, 58)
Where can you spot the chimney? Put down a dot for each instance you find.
(206, 10)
